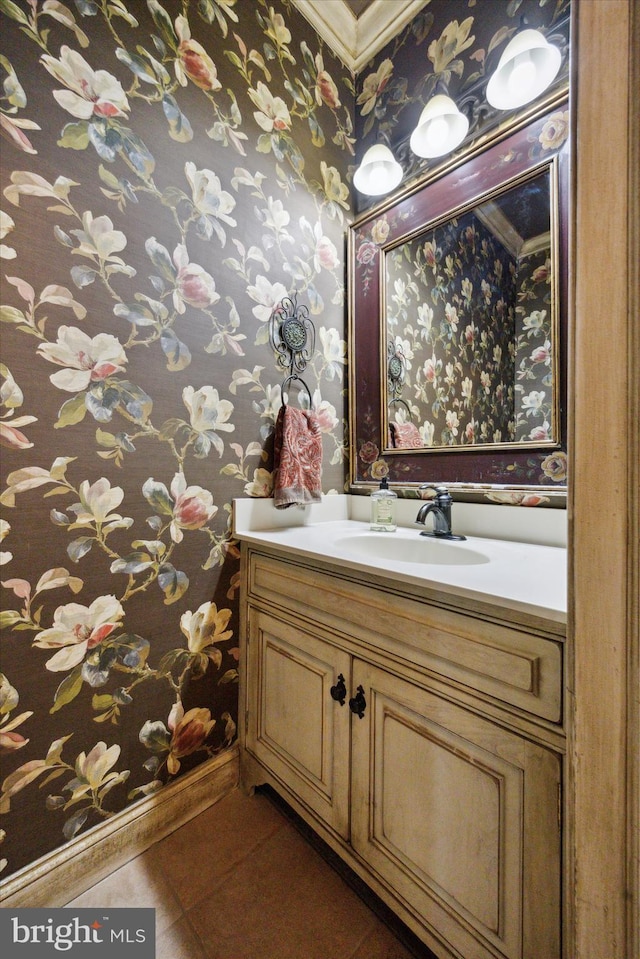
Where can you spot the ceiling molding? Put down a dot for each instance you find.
(357, 39)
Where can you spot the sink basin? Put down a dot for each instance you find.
(410, 548)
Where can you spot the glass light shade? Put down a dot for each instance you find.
(379, 171)
(440, 129)
(526, 68)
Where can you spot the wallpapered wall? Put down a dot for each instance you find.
(169, 173)
(460, 376)
(471, 325)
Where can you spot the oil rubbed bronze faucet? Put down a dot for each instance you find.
(441, 509)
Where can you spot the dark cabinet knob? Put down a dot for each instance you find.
(339, 691)
(358, 704)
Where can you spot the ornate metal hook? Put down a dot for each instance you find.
(293, 337)
(396, 372)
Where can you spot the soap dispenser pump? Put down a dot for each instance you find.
(383, 508)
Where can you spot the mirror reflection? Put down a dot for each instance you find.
(470, 325)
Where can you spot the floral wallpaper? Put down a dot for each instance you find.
(534, 348)
(170, 172)
(471, 326)
(451, 318)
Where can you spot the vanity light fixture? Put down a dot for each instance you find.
(441, 128)
(379, 171)
(526, 68)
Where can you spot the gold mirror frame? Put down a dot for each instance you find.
(532, 473)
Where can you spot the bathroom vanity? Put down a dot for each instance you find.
(416, 723)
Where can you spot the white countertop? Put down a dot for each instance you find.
(525, 577)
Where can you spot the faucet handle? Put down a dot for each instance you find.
(443, 496)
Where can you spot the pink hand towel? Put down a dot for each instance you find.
(297, 458)
(405, 436)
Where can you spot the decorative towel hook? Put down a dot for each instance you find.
(396, 372)
(293, 337)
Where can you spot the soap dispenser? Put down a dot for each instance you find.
(383, 508)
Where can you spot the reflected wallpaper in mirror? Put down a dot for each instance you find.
(470, 324)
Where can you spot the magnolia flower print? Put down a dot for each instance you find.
(325, 255)
(92, 770)
(142, 63)
(532, 403)
(541, 433)
(12, 437)
(535, 321)
(89, 93)
(336, 191)
(452, 422)
(453, 41)
(272, 114)
(267, 295)
(190, 507)
(208, 416)
(277, 219)
(194, 286)
(430, 369)
(334, 350)
(193, 61)
(373, 86)
(15, 99)
(90, 785)
(97, 500)
(11, 398)
(188, 733)
(193, 507)
(325, 90)
(206, 626)
(10, 740)
(85, 359)
(209, 199)
(276, 29)
(325, 413)
(98, 237)
(260, 486)
(425, 319)
(77, 629)
(427, 432)
(542, 354)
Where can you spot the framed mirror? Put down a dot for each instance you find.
(457, 323)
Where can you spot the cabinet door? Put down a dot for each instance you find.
(460, 817)
(295, 728)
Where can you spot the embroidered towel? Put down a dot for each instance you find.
(405, 436)
(297, 458)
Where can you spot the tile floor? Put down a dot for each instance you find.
(240, 881)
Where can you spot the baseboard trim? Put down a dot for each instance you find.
(61, 876)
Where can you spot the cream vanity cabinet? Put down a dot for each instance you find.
(422, 742)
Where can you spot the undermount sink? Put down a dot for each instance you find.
(410, 547)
